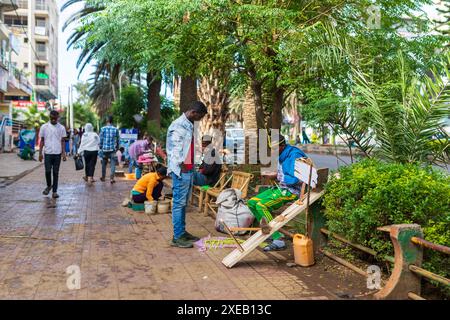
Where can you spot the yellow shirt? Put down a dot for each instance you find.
(146, 184)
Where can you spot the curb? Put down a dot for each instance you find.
(10, 180)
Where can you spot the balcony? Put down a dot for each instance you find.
(42, 82)
(41, 33)
(42, 7)
(8, 5)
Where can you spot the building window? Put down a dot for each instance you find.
(16, 20)
(25, 65)
(41, 76)
(40, 22)
(41, 50)
(41, 5)
(25, 40)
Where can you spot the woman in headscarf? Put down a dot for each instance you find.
(89, 149)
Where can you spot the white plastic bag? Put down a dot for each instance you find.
(232, 211)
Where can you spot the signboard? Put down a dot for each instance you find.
(129, 134)
(302, 170)
(127, 137)
(19, 104)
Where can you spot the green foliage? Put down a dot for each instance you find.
(34, 118)
(130, 105)
(372, 194)
(168, 114)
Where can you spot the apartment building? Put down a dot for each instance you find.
(35, 23)
(13, 82)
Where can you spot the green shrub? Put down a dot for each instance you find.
(372, 194)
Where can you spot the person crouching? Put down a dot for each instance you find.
(149, 186)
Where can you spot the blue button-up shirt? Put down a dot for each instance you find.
(109, 138)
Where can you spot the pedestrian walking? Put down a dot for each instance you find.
(89, 150)
(180, 155)
(109, 144)
(52, 143)
(75, 141)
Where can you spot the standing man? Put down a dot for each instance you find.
(180, 155)
(52, 141)
(109, 144)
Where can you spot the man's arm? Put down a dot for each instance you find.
(63, 149)
(101, 139)
(41, 148)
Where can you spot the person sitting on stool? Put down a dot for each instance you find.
(209, 172)
(274, 198)
(149, 187)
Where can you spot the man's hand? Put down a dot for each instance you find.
(64, 157)
(40, 157)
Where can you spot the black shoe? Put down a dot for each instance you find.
(102, 179)
(55, 195)
(189, 237)
(47, 191)
(181, 243)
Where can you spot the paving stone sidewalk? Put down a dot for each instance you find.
(121, 254)
(13, 168)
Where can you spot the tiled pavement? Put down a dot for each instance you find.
(121, 254)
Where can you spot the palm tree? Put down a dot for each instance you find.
(34, 118)
(406, 130)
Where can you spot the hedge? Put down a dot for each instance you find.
(371, 194)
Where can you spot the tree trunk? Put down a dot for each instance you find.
(277, 106)
(154, 98)
(217, 101)
(176, 91)
(256, 87)
(250, 122)
(188, 92)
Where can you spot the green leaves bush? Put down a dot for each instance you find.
(372, 194)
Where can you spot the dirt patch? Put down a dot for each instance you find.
(326, 275)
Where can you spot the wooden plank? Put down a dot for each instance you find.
(254, 241)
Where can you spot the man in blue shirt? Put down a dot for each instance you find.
(274, 198)
(109, 144)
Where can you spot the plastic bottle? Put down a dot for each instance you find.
(303, 250)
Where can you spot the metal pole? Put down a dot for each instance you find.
(71, 108)
(308, 227)
(67, 107)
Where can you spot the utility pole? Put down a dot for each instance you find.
(67, 107)
(71, 107)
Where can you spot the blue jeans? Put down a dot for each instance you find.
(181, 189)
(131, 164)
(109, 155)
(199, 179)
